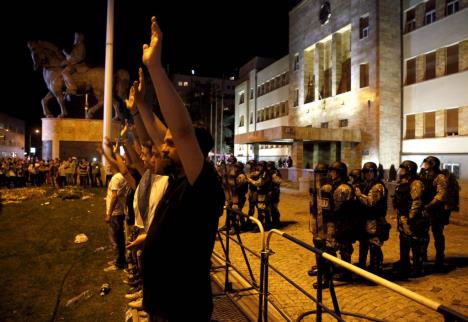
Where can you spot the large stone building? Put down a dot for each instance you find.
(362, 73)
(435, 93)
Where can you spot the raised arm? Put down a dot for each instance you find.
(155, 128)
(173, 108)
(137, 119)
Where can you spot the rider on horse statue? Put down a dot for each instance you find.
(73, 60)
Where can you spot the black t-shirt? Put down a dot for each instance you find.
(176, 256)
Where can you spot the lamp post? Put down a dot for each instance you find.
(36, 131)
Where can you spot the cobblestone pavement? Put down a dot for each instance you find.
(451, 288)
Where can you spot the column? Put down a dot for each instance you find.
(318, 68)
(297, 156)
(337, 59)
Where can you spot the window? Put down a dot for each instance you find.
(241, 99)
(452, 59)
(324, 125)
(296, 62)
(296, 97)
(410, 126)
(310, 93)
(185, 84)
(251, 118)
(344, 123)
(430, 66)
(429, 125)
(430, 15)
(453, 168)
(283, 108)
(251, 93)
(180, 83)
(327, 83)
(363, 27)
(410, 71)
(452, 122)
(410, 24)
(452, 7)
(345, 81)
(363, 75)
(277, 111)
(241, 121)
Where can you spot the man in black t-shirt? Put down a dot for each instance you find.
(176, 256)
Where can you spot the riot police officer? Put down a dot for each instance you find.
(238, 185)
(252, 174)
(412, 226)
(373, 197)
(434, 199)
(263, 185)
(274, 194)
(338, 215)
(320, 181)
(360, 218)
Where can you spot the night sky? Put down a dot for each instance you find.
(213, 37)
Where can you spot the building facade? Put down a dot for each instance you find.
(12, 137)
(210, 101)
(435, 92)
(343, 92)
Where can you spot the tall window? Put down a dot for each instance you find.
(296, 62)
(241, 121)
(327, 83)
(363, 27)
(452, 59)
(410, 24)
(430, 15)
(296, 97)
(429, 125)
(344, 123)
(430, 66)
(363, 75)
(251, 118)
(410, 126)
(452, 7)
(242, 98)
(452, 122)
(410, 71)
(251, 93)
(345, 81)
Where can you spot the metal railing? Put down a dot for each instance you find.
(325, 262)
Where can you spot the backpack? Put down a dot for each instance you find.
(453, 191)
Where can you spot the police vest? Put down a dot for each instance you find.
(402, 199)
(380, 209)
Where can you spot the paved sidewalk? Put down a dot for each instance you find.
(451, 289)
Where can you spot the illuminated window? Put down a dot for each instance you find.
(363, 27)
(410, 126)
(430, 66)
(185, 83)
(429, 125)
(452, 122)
(241, 99)
(410, 71)
(180, 83)
(452, 59)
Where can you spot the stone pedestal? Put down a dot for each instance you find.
(64, 138)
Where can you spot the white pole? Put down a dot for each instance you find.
(107, 117)
(216, 126)
(222, 123)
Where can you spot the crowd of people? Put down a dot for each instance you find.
(31, 171)
(350, 207)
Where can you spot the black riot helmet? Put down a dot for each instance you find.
(432, 163)
(369, 167)
(261, 166)
(341, 169)
(355, 175)
(252, 164)
(239, 166)
(271, 165)
(321, 168)
(410, 168)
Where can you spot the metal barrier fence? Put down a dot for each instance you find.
(324, 268)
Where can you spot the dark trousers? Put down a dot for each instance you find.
(117, 238)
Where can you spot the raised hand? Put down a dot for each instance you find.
(140, 88)
(124, 130)
(152, 52)
(130, 101)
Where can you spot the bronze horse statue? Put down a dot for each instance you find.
(47, 56)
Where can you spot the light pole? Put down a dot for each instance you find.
(30, 136)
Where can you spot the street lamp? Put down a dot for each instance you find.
(36, 131)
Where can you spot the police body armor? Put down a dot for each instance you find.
(380, 209)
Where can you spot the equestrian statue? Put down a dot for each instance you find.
(66, 74)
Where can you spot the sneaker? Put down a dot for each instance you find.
(134, 296)
(137, 304)
(111, 268)
(134, 289)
